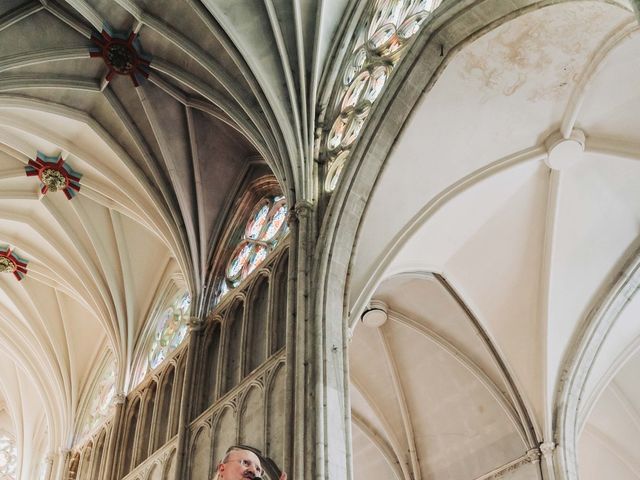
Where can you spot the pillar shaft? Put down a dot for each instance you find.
(187, 399)
(316, 365)
(111, 465)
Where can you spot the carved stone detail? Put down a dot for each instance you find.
(547, 448)
(196, 324)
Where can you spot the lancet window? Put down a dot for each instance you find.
(99, 406)
(379, 44)
(170, 331)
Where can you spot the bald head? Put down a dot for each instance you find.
(238, 464)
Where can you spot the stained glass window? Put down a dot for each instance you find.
(171, 329)
(100, 401)
(8, 457)
(267, 224)
(379, 44)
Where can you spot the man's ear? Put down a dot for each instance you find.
(220, 467)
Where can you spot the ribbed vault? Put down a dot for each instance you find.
(230, 87)
(489, 250)
(472, 193)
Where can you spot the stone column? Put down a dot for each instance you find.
(114, 445)
(298, 361)
(289, 350)
(547, 450)
(316, 352)
(187, 401)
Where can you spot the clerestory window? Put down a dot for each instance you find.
(99, 406)
(171, 327)
(263, 230)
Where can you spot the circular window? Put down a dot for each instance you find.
(267, 224)
(171, 329)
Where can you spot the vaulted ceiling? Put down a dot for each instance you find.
(491, 263)
(230, 88)
(469, 237)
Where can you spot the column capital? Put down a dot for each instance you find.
(547, 448)
(533, 455)
(196, 324)
(119, 398)
(301, 209)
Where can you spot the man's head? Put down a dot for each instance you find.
(237, 464)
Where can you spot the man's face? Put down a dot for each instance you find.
(240, 464)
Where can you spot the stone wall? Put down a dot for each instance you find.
(235, 393)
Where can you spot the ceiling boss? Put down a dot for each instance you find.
(10, 262)
(54, 174)
(122, 54)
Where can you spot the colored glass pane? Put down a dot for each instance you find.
(337, 131)
(276, 223)
(101, 397)
(411, 25)
(257, 258)
(376, 83)
(334, 179)
(357, 122)
(361, 34)
(378, 45)
(354, 67)
(171, 330)
(426, 5)
(386, 13)
(143, 371)
(382, 37)
(8, 457)
(179, 336)
(239, 261)
(183, 304)
(335, 168)
(257, 224)
(157, 356)
(352, 97)
(266, 226)
(224, 288)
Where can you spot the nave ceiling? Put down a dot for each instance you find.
(468, 236)
(161, 164)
